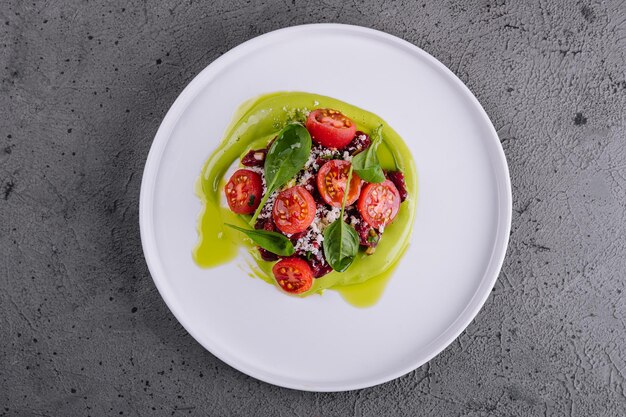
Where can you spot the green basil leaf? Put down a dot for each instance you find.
(287, 155)
(272, 241)
(373, 174)
(366, 163)
(341, 244)
(285, 158)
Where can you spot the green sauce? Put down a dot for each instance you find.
(255, 123)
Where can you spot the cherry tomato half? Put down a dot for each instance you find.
(294, 210)
(293, 275)
(379, 203)
(331, 183)
(330, 128)
(244, 191)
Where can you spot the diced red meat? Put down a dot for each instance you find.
(267, 255)
(360, 142)
(321, 161)
(265, 224)
(319, 266)
(397, 177)
(368, 236)
(296, 236)
(317, 262)
(254, 158)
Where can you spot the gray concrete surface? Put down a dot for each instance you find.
(84, 85)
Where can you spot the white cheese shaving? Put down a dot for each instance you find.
(258, 170)
(304, 178)
(310, 242)
(327, 153)
(311, 161)
(315, 227)
(305, 244)
(332, 215)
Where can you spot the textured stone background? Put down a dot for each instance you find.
(84, 85)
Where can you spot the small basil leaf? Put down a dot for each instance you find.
(272, 241)
(287, 155)
(373, 174)
(366, 163)
(285, 158)
(341, 244)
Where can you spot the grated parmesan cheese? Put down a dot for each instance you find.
(327, 153)
(332, 215)
(304, 178)
(258, 170)
(311, 161)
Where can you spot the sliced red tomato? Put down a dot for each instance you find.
(294, 210)
(330, 128)
(379, 203)
(293, 275)
(244, 191)
(331, 183)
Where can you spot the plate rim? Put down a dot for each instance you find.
(161, 139)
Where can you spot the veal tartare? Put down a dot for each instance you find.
(316, 196)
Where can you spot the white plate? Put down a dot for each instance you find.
(463, 217)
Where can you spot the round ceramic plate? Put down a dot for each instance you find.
(322, 343)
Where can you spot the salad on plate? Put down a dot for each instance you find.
(321, 193)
